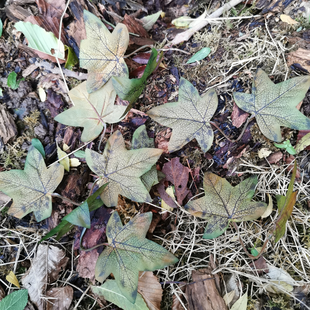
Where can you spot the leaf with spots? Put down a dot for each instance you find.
(274, 105)
(101, 53)
(122, 169)
(140, 139)
(224, 203)
(32, 187)
(131, 89)
(92, 111)
(189, 117)
(130, 252)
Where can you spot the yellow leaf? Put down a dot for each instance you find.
(11, 277)
(74, 162)
(170, 192)
(65, 147)
(64, 162)
(42, 94)
(269, 208)
(287, 19)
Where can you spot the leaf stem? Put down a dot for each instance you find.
(65, 199)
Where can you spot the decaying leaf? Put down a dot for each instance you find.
(269, 207)
(303, 143)
(223, 203)
(92, 111)
(241, 303)
(122, 169)
(140, 140)
(189, 117)
(111, 292)
(102, 52)
(60, 298)
(274, 105)
(131, 89)
(130, 252)
(32, 187)
(44, 269)
(285, 207)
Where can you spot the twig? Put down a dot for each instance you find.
(66, 199)
(138, 49)
(186, 35)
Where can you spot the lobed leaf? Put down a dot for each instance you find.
(101, 53)
(223, 203)
(122, 169)
(274, 105)
(130, 252)
(32, 187)
(189, 117)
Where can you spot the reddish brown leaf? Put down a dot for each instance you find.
(301, 134)
(275, 157)
(260, 265)
(142, 58)
(177, 174)
(238, 116)
(60, 298)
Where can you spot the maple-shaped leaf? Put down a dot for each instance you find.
(274, 105)
(101, 53)
(130, 252)
(92, 111)
(122, 169)
(140, 139)
(32, 187)
(189, 117)
(224, 203)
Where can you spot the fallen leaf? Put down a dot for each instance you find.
(65, 161)
(131, 89)
(130, 252)
(228, 297)
(223, 203)
(275, 157)
(11, 277)
(285, 207)
(122, 169)
(189, 117)
(303, 143)
(92, 111)
(150, 289)
(177, 174)
(102, 52)
(238, 116)
(301, 56)
(45, 268)
(241, 303)
(32, 187)
(203, 53)
(60, 298)
(111, 292)
(269, 207)
(170, 193)
(287, 19)
(149, 20)
(42, 94)
(264, 152)
(274, 105)
(15, 301)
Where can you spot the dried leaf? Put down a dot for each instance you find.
(241, 303)
(102, 52)
(11, 277)
(189, 117)
(303, 143)
(287, 19)
(32, 187)
(150, 20)
(274, 105)
(60, 298)
(269, 207)
(223, 203)
(130, 252)
(45, 267)
(92, 111)
(301, 56)
(122, 169)
(150, 289)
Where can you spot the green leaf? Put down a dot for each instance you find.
(131, 89)
(41, 40)
(303, 143)
(254, 252)
(1, 93)
(110, 291)
(122, 169)
(203, 53)
(32, 187)
(79, 154)
(92, 111)
(1, 27)
(72, 59)
(223, 203)
(285, 206)
(274, 105)
(130, 252)
(150, 20)
(140, 139)
(36, 143)
(102, 52)
(287, 146)
(15, 301)
(79, 216)
(189, 117)
(65, 226)
(12, 80)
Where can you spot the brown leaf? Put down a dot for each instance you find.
(60, 298)
(86, 265)
(301, 56)
(238, 116)
(260, 266)
(54, 103)
(16, 13)
(202, 294)
(301, 134)
(275, 157)
(8, 129)
(150, 289)
(177, 174)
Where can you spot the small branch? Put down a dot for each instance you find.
(65, 199)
